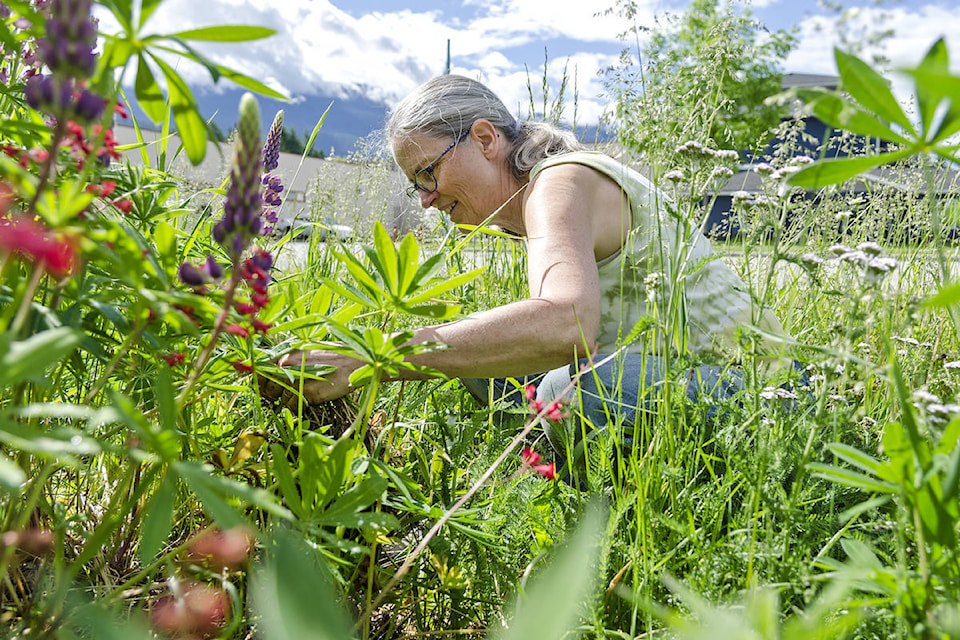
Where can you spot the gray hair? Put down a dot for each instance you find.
(447, 105)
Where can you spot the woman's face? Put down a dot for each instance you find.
(472, 180)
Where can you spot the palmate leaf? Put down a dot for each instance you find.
(870, 89)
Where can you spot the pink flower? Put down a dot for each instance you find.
(531, 460)
(39, 244)
(260, 325)
(537, 405)
(245, 308)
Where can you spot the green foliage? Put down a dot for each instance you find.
(130, 425)
(704, 76)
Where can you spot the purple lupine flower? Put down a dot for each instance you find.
(272, 186)
(271, 147)
(241, 213)
(67, 49)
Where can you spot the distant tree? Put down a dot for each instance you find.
(290, 142)
(701, 76)
(215, 133)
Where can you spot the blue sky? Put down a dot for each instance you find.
(381, 49)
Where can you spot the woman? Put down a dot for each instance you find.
(602, 255)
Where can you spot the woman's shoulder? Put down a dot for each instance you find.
(594, 159)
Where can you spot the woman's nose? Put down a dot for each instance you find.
(427, 198)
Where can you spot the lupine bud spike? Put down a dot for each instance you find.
(271, 148)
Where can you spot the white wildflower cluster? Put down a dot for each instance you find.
(913, 342)
(810, 261)
(652, 284)
(868, 257)
(937, 412)
(769, 171)
(953, 364)
(674, 175)
(777, 393)
(695, 149)
(721, 173)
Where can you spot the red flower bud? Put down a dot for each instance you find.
(237, 330)
(241, 367)
(173, 359)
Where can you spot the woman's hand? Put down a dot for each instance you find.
(333, 385)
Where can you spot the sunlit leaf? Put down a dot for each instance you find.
(870, 89)
(157, 520)
(190, 126)
(294, 595)
(837, 170)
(225, 33)
(548, 608)
(28, 359)
(11, 476)
(148, 93)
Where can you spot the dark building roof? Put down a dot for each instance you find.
(791, 80)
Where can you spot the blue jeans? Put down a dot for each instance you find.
(622, 390)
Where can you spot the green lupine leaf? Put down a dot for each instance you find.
(947, 86)
(850, 478)
(28, 359)
(122, 10)
(157, 520)
(226, 33)
(288, 486)
(856, 457)
(433, 291)
(385, 258)
(348, 291)
(837, 170)
(948, 295)
(294, 593)
(247, 82)
(355, 499)
(213, 491)
(409, 263)
(11, 476)
(549, 606)
(871, 89)
(435, 311)
(147, 7)
(62, 443)
(190, 126)
(929, 95)
(839, 113)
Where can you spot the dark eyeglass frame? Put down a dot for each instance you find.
(417, 186)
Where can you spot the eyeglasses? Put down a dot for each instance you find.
(423, 180)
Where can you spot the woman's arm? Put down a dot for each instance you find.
(556, 324)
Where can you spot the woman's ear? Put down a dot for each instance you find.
(487, 136)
